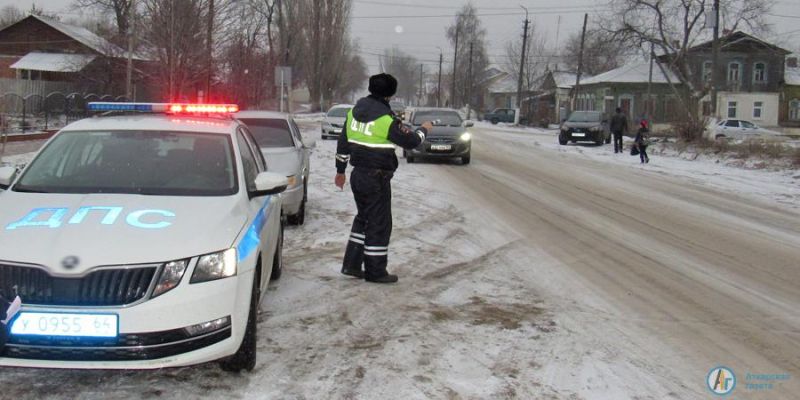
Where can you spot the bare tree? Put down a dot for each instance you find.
(405, 69)
(535, 63)
(602, 52)
(467, 27)
(122, 10)
(10, 15)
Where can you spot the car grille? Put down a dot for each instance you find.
(440, 140)
(105, 287)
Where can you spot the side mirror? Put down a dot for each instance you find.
(7, 176)
(311, 144)
(469, 124)
(268, 183)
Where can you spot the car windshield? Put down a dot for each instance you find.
(270, 132)
(338, 112)
(585, 116)
(396, 106)
(134, 162)
(441, 118)
(749, 125)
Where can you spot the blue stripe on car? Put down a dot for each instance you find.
(252, 238)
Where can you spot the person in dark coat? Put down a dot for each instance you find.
(618, 126)
(641, 141)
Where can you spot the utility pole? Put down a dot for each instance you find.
(522, 59)
(469, 82)
(580, 62)
(209, 39)
(455, 62)
(715, 62)
(439, 84)
(649, 105)
(421, 90)
(131, 28)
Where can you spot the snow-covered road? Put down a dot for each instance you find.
(536, 272)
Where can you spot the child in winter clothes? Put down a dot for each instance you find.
(641, 141)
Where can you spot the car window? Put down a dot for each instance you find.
(338, 112)
(259, 158)
(585, 116)
(441, 118)
(748, 125)
(134, 162)
(270, 132)
(298, 138)
(732, 123)
(248, 162)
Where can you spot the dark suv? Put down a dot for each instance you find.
(585, 126)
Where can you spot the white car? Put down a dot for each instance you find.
(334, 121)
(740, 129)
(140, 241)
(282, 145)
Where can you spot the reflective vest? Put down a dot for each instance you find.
(370, 134)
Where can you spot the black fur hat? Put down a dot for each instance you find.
(383, 85)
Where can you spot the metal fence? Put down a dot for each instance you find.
(35, 112)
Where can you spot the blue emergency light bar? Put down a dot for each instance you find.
(172, 108)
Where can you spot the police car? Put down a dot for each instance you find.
(140, 241)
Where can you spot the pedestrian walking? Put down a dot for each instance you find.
(367, 141)
(641, 141)
(618, 126)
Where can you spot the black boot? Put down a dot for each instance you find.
(355, 273)
(388, 278)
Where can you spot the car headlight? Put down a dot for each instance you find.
(215, 266)
(594, 129)
(466, 136)
(292, 180)
(171, 275)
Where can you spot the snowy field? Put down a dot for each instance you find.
(476, 314)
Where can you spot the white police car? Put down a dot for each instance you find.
(140, 241)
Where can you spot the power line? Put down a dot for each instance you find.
(516, 14)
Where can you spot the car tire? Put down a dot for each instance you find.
(494, 121)
(300, 217)
(574, 141)
(409, 159)
(608, 139)
(465, 160)
(599, 141)
(405, 153)
(277, 259)
(245, 356)
(562, 140)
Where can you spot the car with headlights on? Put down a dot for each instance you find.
(140, 241)
(447, 139)
(333, 122)
(285, 151)
(585, 126)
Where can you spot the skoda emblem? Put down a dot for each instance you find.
(70, 262)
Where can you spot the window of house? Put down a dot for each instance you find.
(734, 72)
(731, 109)
(707, 68)
(794, 110)
(758, 109)
(760, 72)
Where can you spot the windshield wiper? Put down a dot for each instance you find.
(24, 189)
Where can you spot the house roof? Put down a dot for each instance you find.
(737, 37)
(54, 62)
(505, 85)
(566, 80)
(637, 72)
(86, 38)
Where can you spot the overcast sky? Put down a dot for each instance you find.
(402, 24)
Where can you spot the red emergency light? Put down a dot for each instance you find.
(180, 108)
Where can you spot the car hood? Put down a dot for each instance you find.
(146, 229)
(582, 124)
(335, 120)
(283, 160)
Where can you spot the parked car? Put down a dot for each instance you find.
(333, 122)
(280, 141)
(740, 129)
(140, 242)
(398, 108)
(448, 139)
(585, 126)
(503, 115)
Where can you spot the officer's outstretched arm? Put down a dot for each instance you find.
(404, 137)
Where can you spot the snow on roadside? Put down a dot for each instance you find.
(774, 187)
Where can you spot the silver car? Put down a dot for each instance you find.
(285, 152)
(334, 121)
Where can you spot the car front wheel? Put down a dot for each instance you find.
(562, 140)
(465, 160)
(495, 121)
(245, 356)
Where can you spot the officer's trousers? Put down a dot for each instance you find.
(372, 227)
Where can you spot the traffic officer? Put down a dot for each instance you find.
(368, 141)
